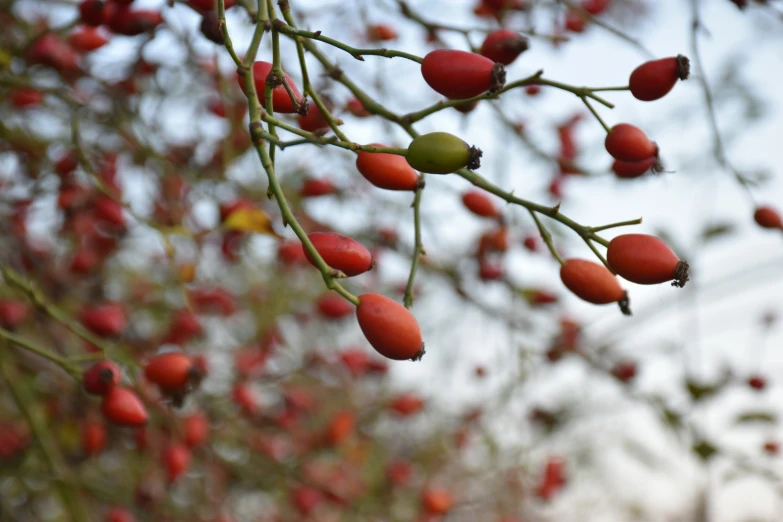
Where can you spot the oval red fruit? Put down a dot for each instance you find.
(341, 253)
(593, 283)
(12, 313)
(171, 371)
(478, 202)
(316, 187)
(334, 306)
(437, 501)
(105, 320)
(628, 143)
(195, 430)
(387, 171)
(87, 39)
(645, 260)
(768, 217)
(94, 437)
(281, 101)
(99, 378)
(503, 46)
(121, 406)
(634, 169)
(176, 459)
(459, 75)
(389, 327)
(118, 514)
(654, 79)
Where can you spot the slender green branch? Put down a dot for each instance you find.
(599, 255)
(256, 130)
(418, 248)
(599, 89)
(224, 29)
(353, 51)
(547, 237)
(41, 352)
(630, 222)
(597, 116)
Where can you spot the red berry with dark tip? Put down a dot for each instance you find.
(628, 143)
(591, 282)
(503, 46)
(121, 406)
(99, 378)
(171, 371)
(341, 253)
(459, 75)
(645, 260)
(654, 79)
(633, 169)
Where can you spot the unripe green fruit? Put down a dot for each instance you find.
(441, 153)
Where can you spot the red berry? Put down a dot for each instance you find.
(340, 427)
(436, 501)
(291, 253)
(387, 171)
(87, 39)
(407, 404)
(628, 143)
(122, 406)
(654, 79)
(195, 430)
(12, 313)
(459, 75)
(281, 101)
(94, 437)
(313, 121)
(757, 382)
(533, 90)
(490, 271)
(634, 169)
(389, 327)
(768, 217)
(772, 447)
(530, 243)
(645, 260)
(171, 371)
(399, 472)
(105, 320)
(243, 396)
(207, 5)
(118, 514)
(305, 499)
(184, 327)
(333, 306)
(624, 371)
(315, 187)
(595, 7)
(341, 253)
(503, 46)
(356, 107)
(66, 164)
(99, 378)
(575, 21)
(23, 97)
(478, 202)
(381, 33)
(176, 459)
(553, 478)
(92, 12)
(592, 282)
(109, 211)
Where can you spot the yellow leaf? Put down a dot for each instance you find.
(5, 59)
(250, 220)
